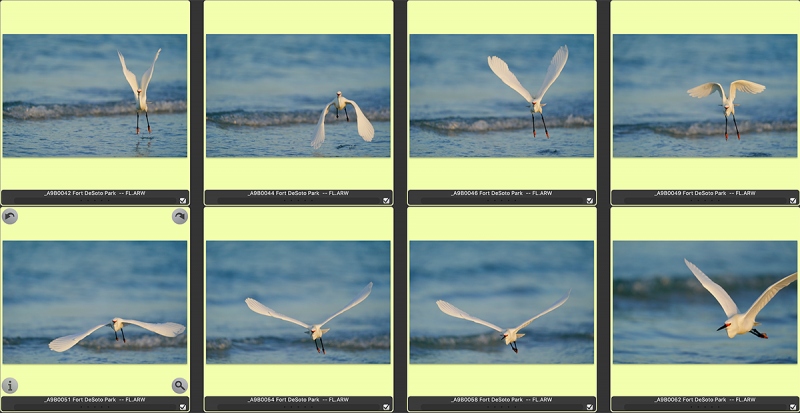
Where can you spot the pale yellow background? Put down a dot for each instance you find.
(312, 224)
(92, 224)
(300, 17)
(502, 17)
(703, 224)
(539, 223)
(96, 17)
(704, 17)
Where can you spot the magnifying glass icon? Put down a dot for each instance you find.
(180, 385)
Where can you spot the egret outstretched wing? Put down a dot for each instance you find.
(319, 135)
(718, 292)
(500, 68)
(555, 305)
(264, 310)
(129, 76)
(65, 343)
(745, 86)
(556, 65)
(359, 298)
(453, 311)
(706, 89)
(147, 76)
(768, 294)
(365, 128)
(165, 329)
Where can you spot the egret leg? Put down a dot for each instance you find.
(123, 334)
(533, 121)
(148, 123)
(337, 117)
(514, 346)
(315, 345)
(545, 127)
(726, 128)
(323, 345)
(137, 131)
(758, 334)
(345, 113)
(737, 127)
(115, 335)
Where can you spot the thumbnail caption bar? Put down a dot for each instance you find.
(516, 403)
(705, 197)
(294, 403)
(502, 197)
(299, 197)
(109, 403)
(724, 403)
(94, 197)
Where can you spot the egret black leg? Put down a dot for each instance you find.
(137, 131)
(315, 345)
(337, 117)
(148, 123)
(726, 128)
(115, 335)
(345, 113)
(545, 127)
(758, 334)
(737, 127)
(123, 334)
(533, 121)
(514, 346)
(323, 345)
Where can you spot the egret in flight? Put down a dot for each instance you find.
(365, 128)
(316, 331)
(500, 68)
(727, 103)
(739, 323)
(510, 335)
(165, 329)
(139, 92)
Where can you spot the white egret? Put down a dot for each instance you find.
(365, 128)
(739, 323)
(500, 68)
(316, 331)
(165, 329)
(727, 103)
(510, 335)
(139, 92)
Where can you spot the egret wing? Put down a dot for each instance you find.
(500, 68)
(359, 298)
(706, 89)
(129, 76)
(745, 86)
(453, 311)
(165, 329)
(718, 292)
(264, 310)
(65, 343)
(555, 305)
(768, 294)
(319, 135)
(556, 65)
(148, 75)
(365, 128)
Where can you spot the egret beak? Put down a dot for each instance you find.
(724, 326)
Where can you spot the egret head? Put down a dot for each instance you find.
(339, 93)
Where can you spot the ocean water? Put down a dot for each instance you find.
(281, 275)
(56, 288)
(663, 315)
(66, 96)
(265, 94)
(653, 116)
(504, 283)
(460, 108)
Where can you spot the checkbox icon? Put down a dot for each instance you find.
(793, 200)
(793, 406)
(183, 200)
(589, 406)
(183, 406)
(589, 200)
(385, 200)
(386, 406)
